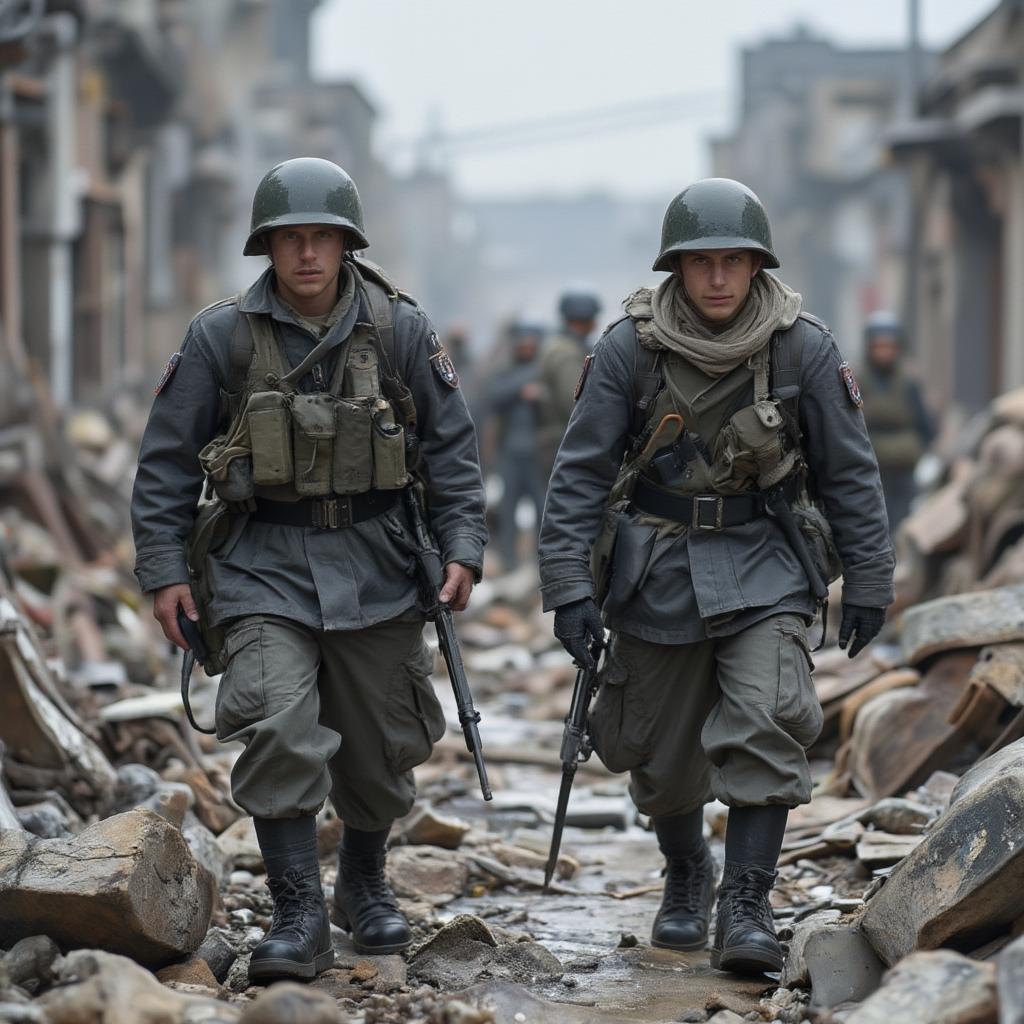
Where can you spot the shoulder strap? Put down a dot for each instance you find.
(381, 296)
(646, 385)
(787, 349)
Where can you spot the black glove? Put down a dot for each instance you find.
(864, 624)
(577, 626)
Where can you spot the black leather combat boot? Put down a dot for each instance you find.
(364, 904)
(298, 942)
(745, 940)
(682, 920)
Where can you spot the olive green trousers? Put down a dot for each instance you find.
(342, 713)
(729, 718)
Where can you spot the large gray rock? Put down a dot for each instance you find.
(963, 620)
(964, 883)
(940, 987)
(128, 884)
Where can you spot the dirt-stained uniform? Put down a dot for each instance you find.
(712, 477)
(305, 429)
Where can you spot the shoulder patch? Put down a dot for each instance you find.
(442, 362)
(583, 377)
(852, 387)
(169, 369)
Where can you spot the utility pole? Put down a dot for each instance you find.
(915, 214)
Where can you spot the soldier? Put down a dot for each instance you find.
(515, 396)
(560, 367)
(714, 398)
(303, 399)
(898, 422)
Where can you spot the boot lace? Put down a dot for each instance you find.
(367, 886)
(294, 897)
(748, 894)
(686, 880)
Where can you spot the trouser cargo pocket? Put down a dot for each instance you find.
(797, 708)
(414, 718)
(240, 696)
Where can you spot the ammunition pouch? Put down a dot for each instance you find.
(817, 532)
(603, 551)
(751, 446)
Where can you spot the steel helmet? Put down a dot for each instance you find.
(305, 190)
(715, 213)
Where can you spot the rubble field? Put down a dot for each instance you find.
(132, 888)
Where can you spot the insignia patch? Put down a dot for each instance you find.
(172, 365)
(852, 387)
(442, 363)
(583, 377)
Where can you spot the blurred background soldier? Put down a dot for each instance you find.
(515, 398)
(560, 368)
(898, 422)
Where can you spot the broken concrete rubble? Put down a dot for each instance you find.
(964, 883)
(128, 884)
(841, 967)
(941, 987)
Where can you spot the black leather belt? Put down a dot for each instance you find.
(336, 513)
(701, 511)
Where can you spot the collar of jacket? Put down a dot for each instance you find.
(262, 297)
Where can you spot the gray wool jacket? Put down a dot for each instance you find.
(697, 584)
(326, 579)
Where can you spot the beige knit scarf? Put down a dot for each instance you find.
(770, 306)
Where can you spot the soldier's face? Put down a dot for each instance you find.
(307, 259)
(884, 351)
(717, 281)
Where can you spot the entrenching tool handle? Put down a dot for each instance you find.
(666, 432)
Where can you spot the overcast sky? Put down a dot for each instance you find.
(465, 65)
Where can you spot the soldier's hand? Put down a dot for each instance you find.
(578, 625)
(862, 625)
(458, 585)
(165, 610)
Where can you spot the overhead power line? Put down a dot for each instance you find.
(541, 131)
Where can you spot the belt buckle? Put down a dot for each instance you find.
(699, 501)
(325, 514)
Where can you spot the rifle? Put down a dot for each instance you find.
(576, 750)
(431, 573)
